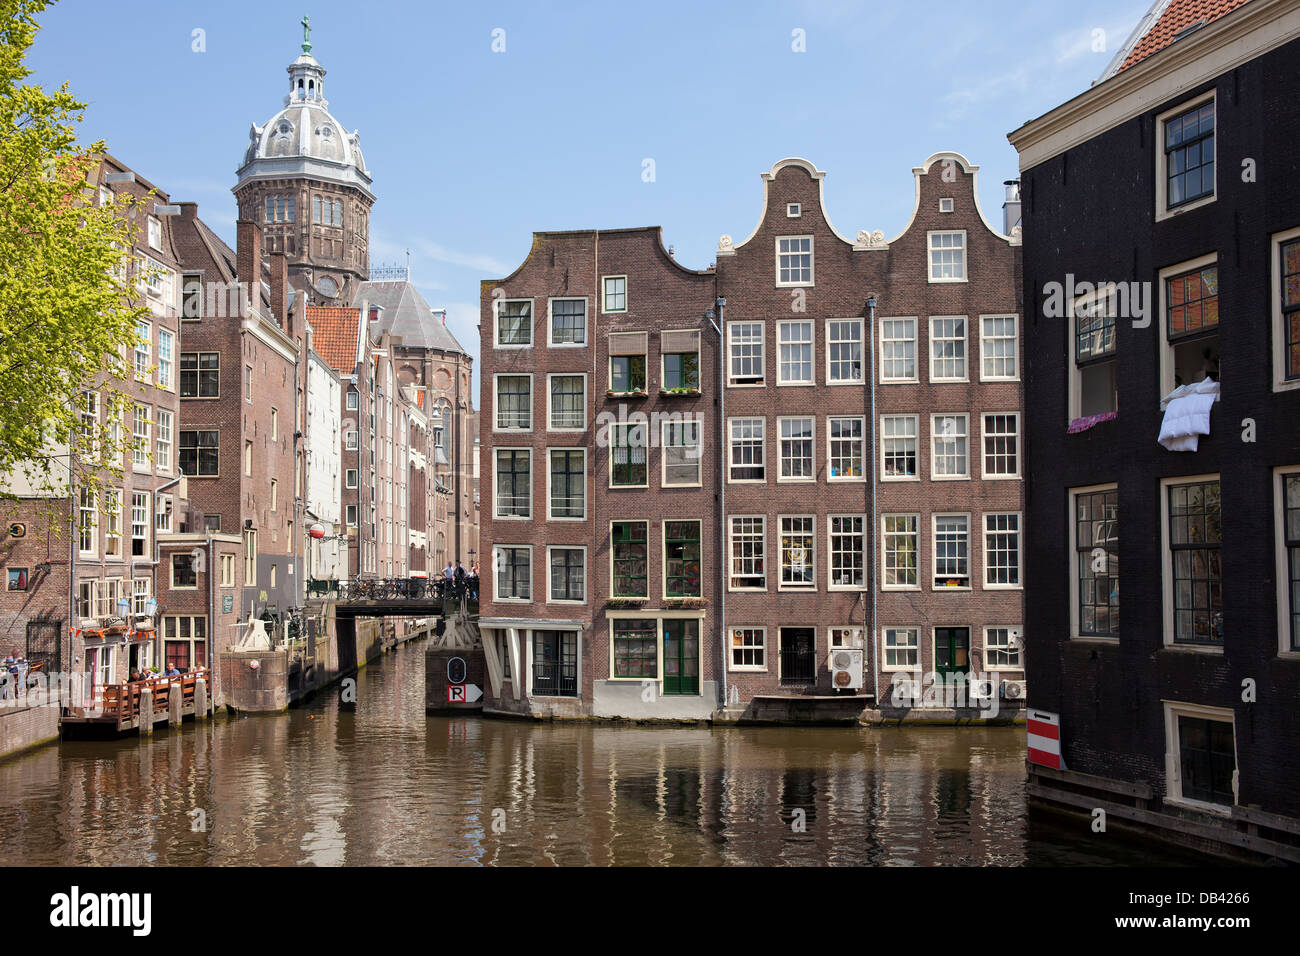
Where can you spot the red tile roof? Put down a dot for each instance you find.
(1177, 17)
(334, 335)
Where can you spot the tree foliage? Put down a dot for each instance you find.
(67, 280)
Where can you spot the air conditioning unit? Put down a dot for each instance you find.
(904, 692)
(980, 689)
(1014, 690)
(846, 668)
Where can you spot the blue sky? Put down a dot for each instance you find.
(472, 150)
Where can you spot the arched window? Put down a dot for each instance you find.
(338, 212)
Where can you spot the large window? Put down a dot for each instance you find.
(948, 256)
(628, 541)
(1195, 544)
(514, 402)
(794, 352)
(748, 553)
(568, 321)
(568, 410)
(166, 358)
(615, 294)
(998, 348)
(902, 647)
(902, 546)
(140, 434)
(898, 350)
(627, 373)
(1093, 384)
(682, 559)
(847, 445)
(515, 322)
(844, 352)
(1290, 564)
(163, 445)
(1096, 556)
(139, 524)
(1002, 550)
(681, 454)
(948, 349)
(746, 359)
(200, 374)
(747, 449)
(794, 260)
(627, 456)
(951, 551)
(183, 575)
(280, 208)
(796, 448)
(1189, 155)
(798, 552)
(198, 453)
(949, 434)
(514, 483)
(568, 574)
(568, 483)
(143, 349)
(1191, 322)
(636, 644)
(1002, 445)
(1287, 296)
(514, 566)
(848, 551)
(87, 522)
(1002, 649)
(748, 649)
(112, 523)
(899, 446)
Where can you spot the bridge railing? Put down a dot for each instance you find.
(406, 589)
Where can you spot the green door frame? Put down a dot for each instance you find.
(681, 649)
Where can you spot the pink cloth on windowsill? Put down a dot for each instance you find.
(1083, 424)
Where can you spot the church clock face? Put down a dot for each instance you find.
(326, 286)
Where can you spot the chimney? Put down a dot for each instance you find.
(280, 290)
(248, 259)
(1011, 206)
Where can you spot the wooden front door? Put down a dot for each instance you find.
(682, 657)
(951, 651)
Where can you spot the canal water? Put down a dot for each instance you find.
(385, 784)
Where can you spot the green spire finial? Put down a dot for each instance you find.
(306, 34)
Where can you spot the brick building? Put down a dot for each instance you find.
(1163, 617)
(793, 430)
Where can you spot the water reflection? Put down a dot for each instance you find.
(384, 784)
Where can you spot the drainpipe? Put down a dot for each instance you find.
(721, 303)
(875, 517)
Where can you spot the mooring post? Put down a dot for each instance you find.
(174, 703)
(144, 718)
(201, 699)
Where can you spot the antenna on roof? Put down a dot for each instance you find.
(408, 265)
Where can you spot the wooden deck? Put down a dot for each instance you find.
(119, 705)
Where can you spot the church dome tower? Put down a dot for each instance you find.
(304, 180)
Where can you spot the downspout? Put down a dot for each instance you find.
(721, 303)
(875, 518)
(212, 629)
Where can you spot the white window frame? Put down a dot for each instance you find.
(550, 394)
(171, 573)
(934, 451)
(549, 582)
(865, 536)
(1173, 757)
(1020, 651)
(164, 440)
(1162, 161)
(155, 233)
(1167, 565)
(1285, 638)
(496, 323)
(604, 293)
(812, 262)
(761, 358)
(930, 251)
(731, 552)
(550, 516)
(793, 210)
(1015, 347)
(1165, 347)
(532, 475)
(550, 323)
(812, 451)
(167, 365)
(916, 443)
(88, 521)
(914, 378)
(732, 666)
(496, 402)
(142, 352)
(496, 563)
(834, 640)
(885, 550)
(934, 553)
(1075, 406)
(762, 446)
(1020, 551)
(888, 668)
(862, 351)
(964, 375)
(863, 451)
(698, 457)
(350, 478)
(141, 441)
(1277, 240)
(984, 470)
(811, 344)
(781, 584)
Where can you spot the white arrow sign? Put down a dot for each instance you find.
(463, 693)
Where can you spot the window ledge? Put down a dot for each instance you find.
(1193, 649)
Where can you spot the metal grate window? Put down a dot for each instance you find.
(555, 663)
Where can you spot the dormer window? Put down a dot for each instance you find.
(793, 210)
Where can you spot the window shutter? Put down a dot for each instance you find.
(627, 343)
(674, 342)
